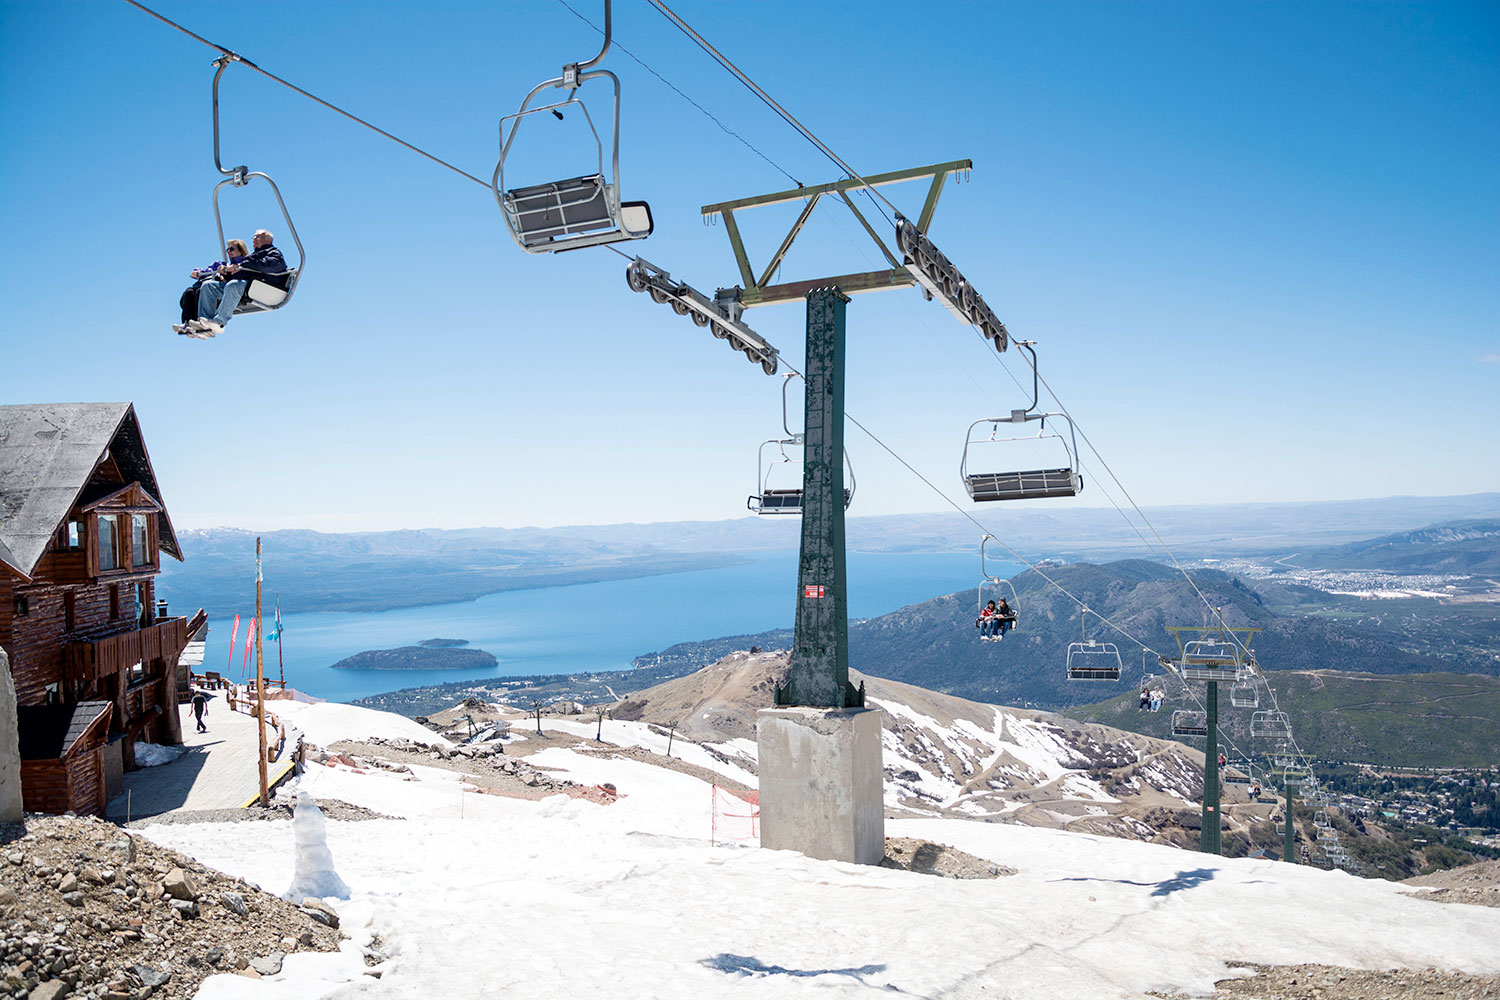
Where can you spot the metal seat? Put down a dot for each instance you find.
(783, 501)
(1089, 660)
(1270, 726)
(1245, 694)
(1034, 484)
(578, 212)
(1186, 722)
(786, 499)
(1235, 778)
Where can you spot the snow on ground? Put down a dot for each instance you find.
(154, 754)
(639, 734)
(328, 722)
(482, 896)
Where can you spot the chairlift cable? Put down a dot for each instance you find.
(770, 102)
(310, 96)
(709, 114)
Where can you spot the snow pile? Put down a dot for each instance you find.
(154, 754)
(314, 874)
(630, 900)
(326, 723)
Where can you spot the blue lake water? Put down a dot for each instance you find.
(587, 627)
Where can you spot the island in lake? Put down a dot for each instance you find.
(426, 656)
(439, 643)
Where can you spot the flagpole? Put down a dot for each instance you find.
(280, 665)
(260, 684)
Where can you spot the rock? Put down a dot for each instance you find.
(270, 965)
(73, 898)
(154, 978)
(7, 895)
(249, 972)
(320, 911)
(186, 907)
(125, 847)
(93, 876)
(233, 902)
(68, 884)
(15, 857)
(177, 885)
(52, 989)
(214, 955)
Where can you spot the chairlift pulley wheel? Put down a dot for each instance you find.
(768, 365)
(657, 295)
(635, 279)
(719, 331)
(701, 319)
(680, 308)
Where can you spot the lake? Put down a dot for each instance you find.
(582, 628)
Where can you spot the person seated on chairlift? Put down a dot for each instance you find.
(234, 251)
(1255, 791)
(988, 622)
(1145, 698)
(218, 298)
(1157, 697)
(1006, 615)
(1223, 760)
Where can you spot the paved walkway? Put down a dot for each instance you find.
(218, 771)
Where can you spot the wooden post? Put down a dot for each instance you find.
(260, 683)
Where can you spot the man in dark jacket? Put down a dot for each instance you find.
(217, 299)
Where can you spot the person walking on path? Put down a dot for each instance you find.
(200, 709)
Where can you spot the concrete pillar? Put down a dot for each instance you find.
(821, 782)
(10, 747)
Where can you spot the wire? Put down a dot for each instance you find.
(310, 96)
(770, 102)
(710, 115)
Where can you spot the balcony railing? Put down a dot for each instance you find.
(109, 654)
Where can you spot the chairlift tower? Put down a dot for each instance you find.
(821, 770)
(1212, 654)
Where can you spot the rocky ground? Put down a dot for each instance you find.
(1478, 885)
(490, 770)
(1330, 982)
(927, 858)
(87, 910)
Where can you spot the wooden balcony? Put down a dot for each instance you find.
(111, 654)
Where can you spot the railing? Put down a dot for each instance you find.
(112, 653)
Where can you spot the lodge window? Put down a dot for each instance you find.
(109, 542)
(140, 540)
(68, 611)
(73, 535)
(114, 602)
(142, 606)
(23, 606)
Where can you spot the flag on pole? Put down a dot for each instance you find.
(249, 641)
(234, 635)
(275, 634)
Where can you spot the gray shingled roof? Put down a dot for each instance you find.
(48, 451)
(48, 731)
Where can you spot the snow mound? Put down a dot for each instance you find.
(314, 874)
(327, 723)
(154, 754)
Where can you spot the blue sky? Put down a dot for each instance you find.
(1256, 243)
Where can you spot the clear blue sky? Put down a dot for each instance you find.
(1257, 244)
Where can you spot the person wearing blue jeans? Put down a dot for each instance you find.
(218, 299)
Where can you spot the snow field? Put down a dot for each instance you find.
(564, 898)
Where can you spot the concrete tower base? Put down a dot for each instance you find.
(822, 783)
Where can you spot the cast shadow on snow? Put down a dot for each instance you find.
(1177, 883)
(745, 965)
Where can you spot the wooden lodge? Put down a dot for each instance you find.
(93, 657)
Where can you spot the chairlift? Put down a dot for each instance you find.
(786, 499)
(1090, 660)
(1270, 726)
(995, 584)
(1186, 722)
(260, 295)
(1245, 694)
(581, 211)
(1211, 660)
(1032, 484)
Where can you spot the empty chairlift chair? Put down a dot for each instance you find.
(786, 499)
(1245, 694)
(1270, 726)
(1089, 660)
(1186, 722)
(1030, 484)
(581, 211)
(1211, 660)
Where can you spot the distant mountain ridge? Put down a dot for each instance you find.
(1461, 547)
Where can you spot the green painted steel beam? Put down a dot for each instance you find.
(873, 180)
(930, 205)
(740, 258)
(786, 244)
(849, 284)
(818, 675)
(870, 230)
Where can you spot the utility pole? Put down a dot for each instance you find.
(260, 683)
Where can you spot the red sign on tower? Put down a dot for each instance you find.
(812, 590)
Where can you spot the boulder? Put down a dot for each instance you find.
(268, 965)
(320, 911)
(233, 902)
(179, 886)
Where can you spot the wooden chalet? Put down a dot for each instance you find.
(93, 657)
